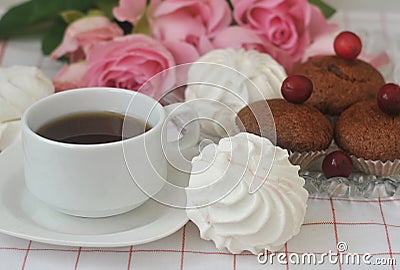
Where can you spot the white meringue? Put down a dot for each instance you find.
(20, 86)
(243, 77)
(8, 133)
(220, 204)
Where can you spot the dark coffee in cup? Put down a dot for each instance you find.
(93, 128)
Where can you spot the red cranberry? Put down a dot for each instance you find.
(389, 99)
(337, 163)
(347, 45)
(296, 88)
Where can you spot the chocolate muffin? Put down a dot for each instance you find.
(300, 128)
(339, 83)
(371, 137)
(365, 131)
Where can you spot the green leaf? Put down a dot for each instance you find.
(50, 9)
(95, 12)
(16, 19)
(70, 16)
(53, 38)
(107, 7)
(142, 25)
(37, 15)
(327, 10)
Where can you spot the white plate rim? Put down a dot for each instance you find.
(170, 222)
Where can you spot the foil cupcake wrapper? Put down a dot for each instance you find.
(377, 167)
(304, 159)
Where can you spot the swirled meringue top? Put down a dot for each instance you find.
(223, 81)
(20, 86)
(244, 194)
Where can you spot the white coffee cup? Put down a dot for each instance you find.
(97, 180)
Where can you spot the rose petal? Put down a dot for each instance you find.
(318, 25)
(182, 52)
(239, 37)
(128, 62)
(130, 10)
(177, 26)
(236, 37)
(84, 33)
(193, 22)
(220, 17)
(70, 76)
(289, 25)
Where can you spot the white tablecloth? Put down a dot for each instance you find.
(366, 226)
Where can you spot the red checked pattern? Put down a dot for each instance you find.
(366, 226)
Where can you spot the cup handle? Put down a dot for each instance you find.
(184, 147)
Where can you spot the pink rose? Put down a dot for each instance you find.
(128, 62)
(82, 34)
(186, 27)
(70, 76)
(133, 10)
(237, 37)
(289, 25)
(130, 10)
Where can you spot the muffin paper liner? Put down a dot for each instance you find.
(377, 167)
(304, 159)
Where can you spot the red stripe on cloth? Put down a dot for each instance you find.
(234, 261)
(354, 200)
(214, 253)
(102, 250)
(386, 230)
(183, 246)
(3, 46)
(287, 256)
(166, 251)
(26, 255)
(335, 229)
(157, 250)
(123, 251)
(350, 224)
(78, 256)
(320, 253)
(130, 257)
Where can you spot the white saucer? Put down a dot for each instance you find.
(24, 216)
